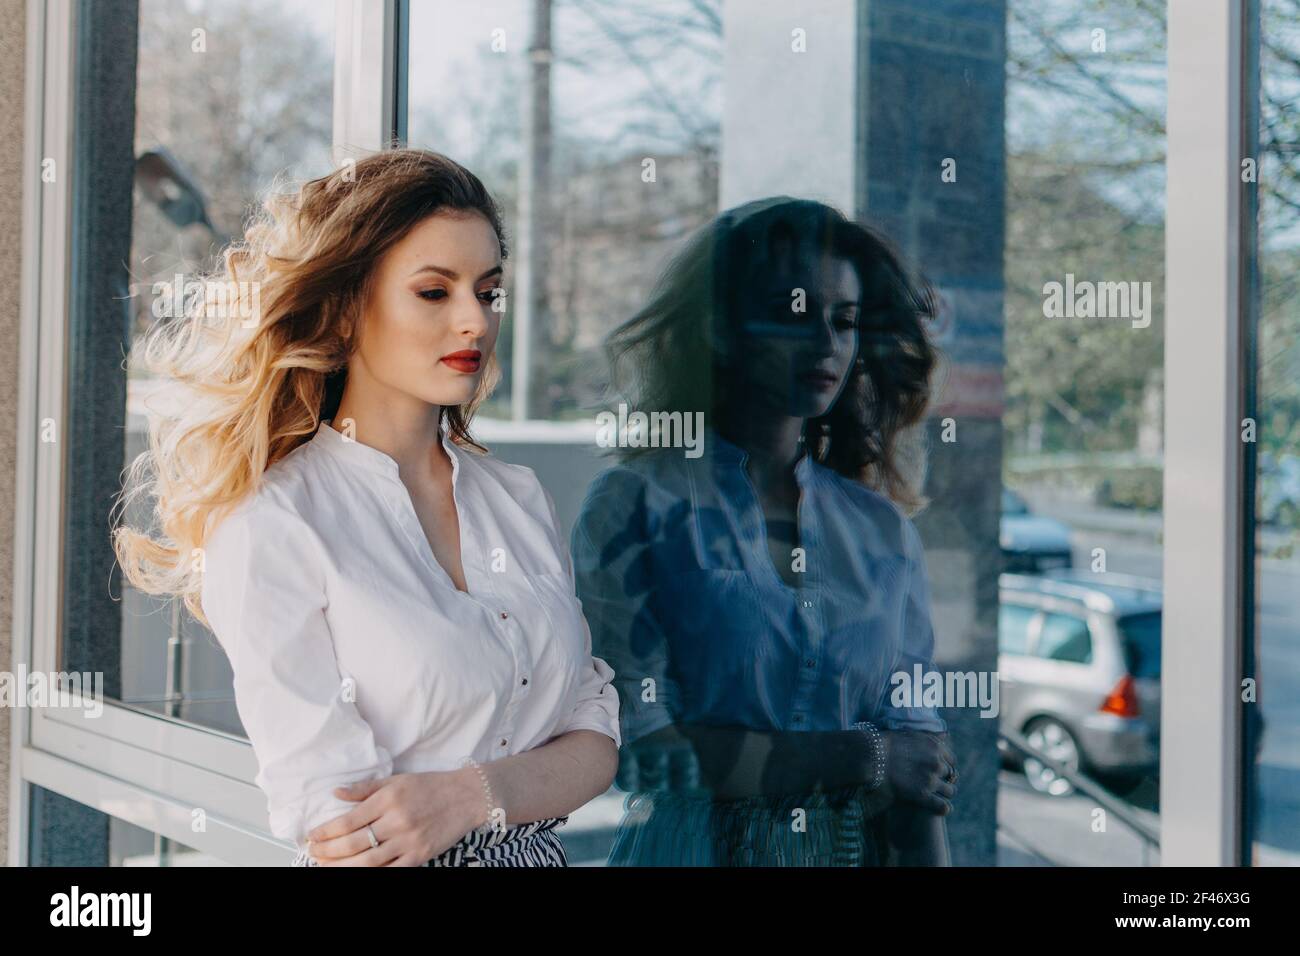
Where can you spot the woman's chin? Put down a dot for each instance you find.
(813, 406)
(455, 394)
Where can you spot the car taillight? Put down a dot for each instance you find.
(1122, 700)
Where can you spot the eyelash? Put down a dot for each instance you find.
(490, 294)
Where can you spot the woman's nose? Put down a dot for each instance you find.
(824, 340)
(469, 317)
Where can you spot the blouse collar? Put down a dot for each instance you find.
(367, 456)
(733, 457)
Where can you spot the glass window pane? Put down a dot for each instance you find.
(184, 117)
(1271, 695)
(615, 145)
(1084, 339)
(1005, 149)
(67, 833)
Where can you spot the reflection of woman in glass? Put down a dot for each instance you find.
(755, 600)
(410, 660)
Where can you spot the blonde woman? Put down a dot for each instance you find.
(410, 662)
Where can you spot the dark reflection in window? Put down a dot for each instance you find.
(749, 568)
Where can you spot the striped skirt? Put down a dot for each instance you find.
(524, 844)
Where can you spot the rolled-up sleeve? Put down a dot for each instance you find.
(597, 705)
(916, 640)
(263, 594)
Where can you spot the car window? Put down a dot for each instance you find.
(1013, 628)
(1065, 638)
(1140, 634)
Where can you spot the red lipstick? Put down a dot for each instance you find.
(466, 360)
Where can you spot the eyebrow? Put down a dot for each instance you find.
(453, 275)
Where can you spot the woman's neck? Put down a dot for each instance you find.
(773, 445)
(404, 428)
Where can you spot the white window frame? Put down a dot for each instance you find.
(1201, 774)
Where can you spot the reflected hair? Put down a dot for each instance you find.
(242, 389)
(683, 350)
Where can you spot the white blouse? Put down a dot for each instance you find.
(356, 657)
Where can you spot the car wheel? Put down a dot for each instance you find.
(1052, 739)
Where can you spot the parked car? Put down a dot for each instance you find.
(1079, 674)
(1031, 542)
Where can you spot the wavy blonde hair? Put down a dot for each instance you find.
(242, 388)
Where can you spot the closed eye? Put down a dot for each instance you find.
(437, 295)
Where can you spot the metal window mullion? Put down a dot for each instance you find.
(369, 37)
(39, 475)
(1200, 792)
(1251, 293)
(222, 837)
(26, 431)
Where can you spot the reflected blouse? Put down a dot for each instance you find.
(683, 600)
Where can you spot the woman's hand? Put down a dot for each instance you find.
(920, 769)
(415, 817)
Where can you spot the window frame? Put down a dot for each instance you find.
(1201, 768)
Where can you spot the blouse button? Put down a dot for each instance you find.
(503, 741)
(525, 682)
(504, 615)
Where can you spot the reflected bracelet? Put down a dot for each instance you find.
(487, 793)
(878, 754)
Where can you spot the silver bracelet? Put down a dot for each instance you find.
(878, 755)
(488, 826)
